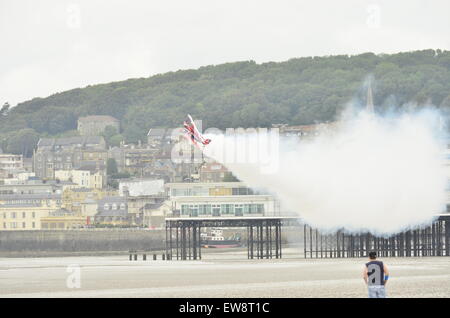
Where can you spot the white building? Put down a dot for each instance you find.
(19, 177)
(11, 162)
(142, 187)
(10, 167)
(220, 199)
(83, 178)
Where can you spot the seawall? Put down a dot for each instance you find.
(81, 242)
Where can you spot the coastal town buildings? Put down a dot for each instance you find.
(54, 154)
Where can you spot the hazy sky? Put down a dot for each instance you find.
(48, 46)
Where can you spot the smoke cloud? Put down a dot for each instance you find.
(382, 174)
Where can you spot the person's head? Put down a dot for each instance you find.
(372, 255)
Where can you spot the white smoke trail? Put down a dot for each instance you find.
(375, 174)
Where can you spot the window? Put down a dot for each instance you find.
(215, 210)
(13, 215)
(33, 215)
(253, 209)
(193, 210)
(106, 206)
(114, 206)
(33, 225)
(200, 191)
(204, 209)
(227, 209)
(24, 225)
(241, 191)
(238, 210)
(260, 208)
(185, 192)
(219, 191)
(24, 215)
(185, 209)
(4, 225)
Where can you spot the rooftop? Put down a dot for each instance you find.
(153, 206)
(115, 199)
(213, 167)
(157, 132)
(69, 141)
(118, 212)
(25, 196)
(112, 206)
(61, 212)
(20, 205)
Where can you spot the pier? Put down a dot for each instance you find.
(432, 240)
(183, 240)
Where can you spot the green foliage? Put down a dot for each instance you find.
(111, 166)
(115, 140)
(109, 132)
(243, 94)
(113, 177)
(113, 183)
(22, 142)
(64, 134)
(4, 110)
(4, 142)
(114, 174)
(121, 175)
(112, 136)
(229, 177)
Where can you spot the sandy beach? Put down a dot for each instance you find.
(218, 274)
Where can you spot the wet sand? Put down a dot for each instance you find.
(219, 274)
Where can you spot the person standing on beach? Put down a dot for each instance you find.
(375, 275)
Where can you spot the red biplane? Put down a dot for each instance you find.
(193, 134)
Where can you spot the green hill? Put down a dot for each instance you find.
(245, 94)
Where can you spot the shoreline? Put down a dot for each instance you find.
(225, 275)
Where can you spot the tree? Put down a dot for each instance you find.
(242, 94)
(109, 132)
(23, 142)
(229, 177)
(4, 110)
(115, 140)
(112, 136)
(113, 183)
(111, 167)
